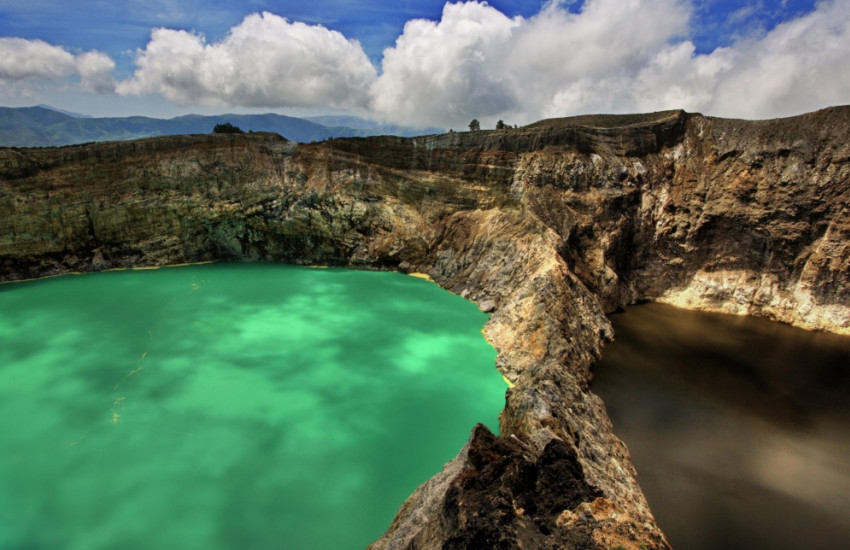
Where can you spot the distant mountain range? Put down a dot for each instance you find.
(44, 126)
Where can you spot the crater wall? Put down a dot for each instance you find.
(549, 227)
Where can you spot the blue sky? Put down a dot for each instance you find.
(119, 27)
(511, 59)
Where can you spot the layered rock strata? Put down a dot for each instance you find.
(549, 227)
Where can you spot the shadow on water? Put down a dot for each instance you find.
(739, 428)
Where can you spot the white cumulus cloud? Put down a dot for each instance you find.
(573, 57)
(476, 62)
(21, 59)
(800, 66)
(265, 61)
(442, 72)
(96, 70)
(24, 64)
(607, 56)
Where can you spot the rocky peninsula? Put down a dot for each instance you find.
(548, 227)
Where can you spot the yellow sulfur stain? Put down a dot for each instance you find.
(119, 402)
(421, 276)
(139, 367)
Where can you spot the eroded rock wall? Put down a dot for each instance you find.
(548, 226)
(733, 216)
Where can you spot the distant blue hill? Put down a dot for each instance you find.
(64, 112)
(377, 128)
(45, 126)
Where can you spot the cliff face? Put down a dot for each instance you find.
(736, 216)
(548, 226)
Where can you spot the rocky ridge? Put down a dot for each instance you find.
(550, 227)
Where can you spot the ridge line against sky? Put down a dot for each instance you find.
(426, 63)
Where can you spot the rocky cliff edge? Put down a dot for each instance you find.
(549, 227)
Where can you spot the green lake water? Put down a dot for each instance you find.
(230, 406)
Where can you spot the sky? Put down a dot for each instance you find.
(426, 63)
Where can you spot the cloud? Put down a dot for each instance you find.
(96, 70)
(476, 62)
(265, 61)
(580, 62)
(24, 64)
(744, 12)
(26, 59)
(609, 56)
(442, 72)
(573, 57)
(801, 65)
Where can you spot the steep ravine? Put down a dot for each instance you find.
(548, 226)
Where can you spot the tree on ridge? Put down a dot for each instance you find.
(227, 128)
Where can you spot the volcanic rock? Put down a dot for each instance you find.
(549, 227)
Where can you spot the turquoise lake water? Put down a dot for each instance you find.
(230, 406)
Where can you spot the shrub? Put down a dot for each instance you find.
(227, 128)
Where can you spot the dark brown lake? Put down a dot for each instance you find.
(739, 427)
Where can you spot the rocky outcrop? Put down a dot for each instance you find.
(548, 226)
